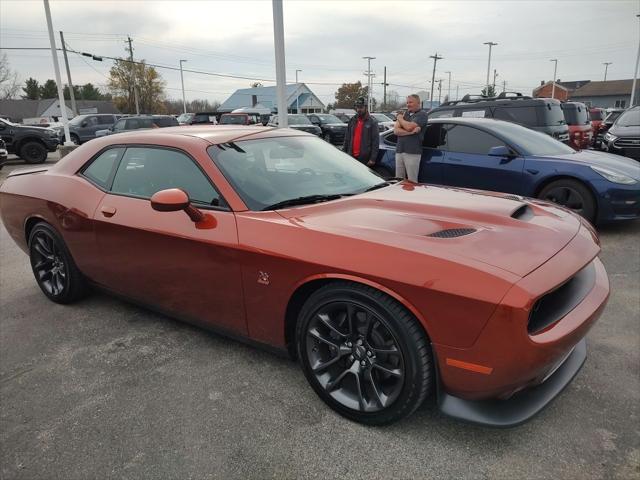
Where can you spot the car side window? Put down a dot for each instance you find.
(100, 169)
(119, 126)
(391, 139)
(463, 139)
(435, 136)
(144, 171)
(521, 115)
(441, 114)
(105, 120)
(132, 124)
(92, 121)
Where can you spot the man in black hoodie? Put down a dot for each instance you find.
(362, 138)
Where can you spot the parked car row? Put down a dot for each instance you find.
(501, 156)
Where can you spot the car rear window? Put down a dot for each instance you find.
(597, 115)
(523, 115)
(233, 120)
(101, 167)
(575, 115)
(165, 122)
(550, 115)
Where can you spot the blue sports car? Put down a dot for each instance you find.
(489, 154)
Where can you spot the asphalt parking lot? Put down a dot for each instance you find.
(104, 389)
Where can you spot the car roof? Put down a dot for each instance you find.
(214, 134)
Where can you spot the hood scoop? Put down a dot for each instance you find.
(452, 233)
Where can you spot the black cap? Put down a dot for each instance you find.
(361, 102)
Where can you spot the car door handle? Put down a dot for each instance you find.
(108, 211)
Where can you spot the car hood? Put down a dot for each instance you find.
(343, 125)
(499, 230)
(592, 157)
(36, 129)
(622, 131)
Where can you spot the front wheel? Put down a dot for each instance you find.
(571, 194)
(363, 353)
(33, 152)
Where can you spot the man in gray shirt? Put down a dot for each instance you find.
(410, 128)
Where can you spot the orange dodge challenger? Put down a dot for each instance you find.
(386, 291)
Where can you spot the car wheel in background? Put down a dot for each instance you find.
(571, 194)
(327, 137)
(53, 267)
(33, 152)
(363, 353)
(75, 139)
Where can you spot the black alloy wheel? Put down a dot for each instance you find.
(74, 138)
(33, 152)
(571, 194)
(363, 354)
(52, 265)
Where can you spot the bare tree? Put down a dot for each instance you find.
(9, 85)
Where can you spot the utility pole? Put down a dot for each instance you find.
(369, 75)
(56, 67)
(555, 69)
(433, 76)
(184, 102)
(449, 87)
(606, 66)
(491, 44)
(384, 89)
(495, 74)
(504, 85)
(635, 72)
(439, 91)
(297, 96)
(133, 76)
(66, 63)
(457, 94)
(281, 73)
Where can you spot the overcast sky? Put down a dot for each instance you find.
(327, 40)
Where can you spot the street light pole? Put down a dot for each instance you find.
(281, 73)
(606, 67)
(449, 87)
(491, 44)
(297, 96)
(555, 69)
(56, 67)
(184, 102)
(369, 83)
(635, 71)
(433, 75)
(66, 64)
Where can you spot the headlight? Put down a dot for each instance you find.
(609, 137)
(613, 176)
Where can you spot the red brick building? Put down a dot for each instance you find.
(544, 91)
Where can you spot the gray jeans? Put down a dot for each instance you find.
(408, 166)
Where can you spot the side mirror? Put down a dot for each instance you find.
(173, 200)
(500, 151)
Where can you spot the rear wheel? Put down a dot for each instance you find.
(75, 139)
(363, 353)
(33, 152)
(571, 194)
(53, 267)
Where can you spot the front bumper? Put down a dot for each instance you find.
(619, 202)
(523, 405)
(506, 361)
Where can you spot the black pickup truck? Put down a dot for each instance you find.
(29, 143)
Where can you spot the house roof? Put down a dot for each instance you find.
(558, 85)
(603, 89)
(17, 110)
(266, 96)
(573, 85)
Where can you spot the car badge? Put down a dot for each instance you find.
(263, 278)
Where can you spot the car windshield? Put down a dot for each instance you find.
(612, 117)
(298, 120)
(185, 117)
(381, 117)
(630, 118)
(268, 171)
(233, 120)
(529, 142)
(552, 114)
(77, 120)
(329, 119)
(575, 115)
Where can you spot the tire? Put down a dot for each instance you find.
(74, 138)
(33, 152)
(363, 353)
(571, 194)
(53, 267)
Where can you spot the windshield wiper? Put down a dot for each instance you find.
(302, 200)
(377, 186)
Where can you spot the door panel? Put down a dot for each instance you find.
(164, 259)
(467, 163)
